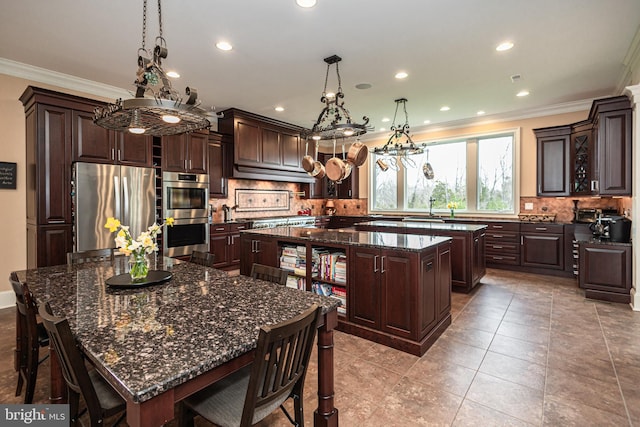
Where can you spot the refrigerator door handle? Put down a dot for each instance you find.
(125, 192)
(116, 191)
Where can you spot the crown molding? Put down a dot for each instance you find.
(633, 92)
(630, 62)
(65, 81)
(551, 110)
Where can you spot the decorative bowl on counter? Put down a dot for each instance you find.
(537, 217)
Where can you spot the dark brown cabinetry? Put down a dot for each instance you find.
(264, 148)
(186, 152)
(542, 246)
(224, 243)
(258, 249)
(381, 289)
(605, 271)
(592, 157)
(94, 144)
(502, 244)
(49, 118)
(553, 153)
(218, 153)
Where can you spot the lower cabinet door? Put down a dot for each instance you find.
(364, 294)
(397, 280)
(218, 247)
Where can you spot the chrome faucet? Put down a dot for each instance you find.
(431, 200)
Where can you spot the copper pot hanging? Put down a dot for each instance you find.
(335, 166)
(357, 154)
(307, 160)
(318, 171)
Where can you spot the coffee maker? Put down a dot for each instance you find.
(600, 227)
(614, 228)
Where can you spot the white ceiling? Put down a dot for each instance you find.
(565, 51)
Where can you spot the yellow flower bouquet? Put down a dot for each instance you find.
(452, 206)
(138, 248)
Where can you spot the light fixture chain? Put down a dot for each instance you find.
(160, 17)
(339, 80)
(144, 24)
(393, 123)
(326, 80)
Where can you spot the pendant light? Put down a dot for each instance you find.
(164, 111)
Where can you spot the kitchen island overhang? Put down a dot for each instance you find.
(396, 287)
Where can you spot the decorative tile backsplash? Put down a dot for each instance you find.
(562, 207)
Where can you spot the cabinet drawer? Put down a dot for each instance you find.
(237, 227)
(503, 259)
(500, 237)
(218, 228)
(503, 226)
(500, 248)
(542, 228)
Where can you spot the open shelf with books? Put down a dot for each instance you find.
(293, 258)
(329, 274)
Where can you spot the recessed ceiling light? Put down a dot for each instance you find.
(426, 122)
(224, 45)
(279, 108)
(480, 113)
(444, 108)
(385, 119)
(306, 3)
(382, 129)
(173, 74)
(401, 75)
(330, 95)
(504, 46)
(363, 86)
(522, 93)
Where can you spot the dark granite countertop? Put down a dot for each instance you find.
(153, 338)
(348, 236)
(442, 226)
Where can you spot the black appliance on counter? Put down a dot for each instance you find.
(612, 228)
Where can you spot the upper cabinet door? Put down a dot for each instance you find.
(197, 152)
(247, 143)
(134, 150)
(553, 161)
(614, 153)
(91, 143)
(271, 148)
(174, 153)
(291, 151)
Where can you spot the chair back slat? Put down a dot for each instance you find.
(282, 357)
(71, 361)
(268, 273)
(202, 258)
(90, 256)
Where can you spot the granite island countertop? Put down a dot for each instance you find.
(156, 337)
(440, 226)
(349, 236)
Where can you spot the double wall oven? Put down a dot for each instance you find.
(185, 197)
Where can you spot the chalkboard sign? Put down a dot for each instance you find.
(8, 175)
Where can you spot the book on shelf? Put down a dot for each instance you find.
(337, 292)
(296, 282)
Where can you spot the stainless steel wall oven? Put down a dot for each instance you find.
(185, 197)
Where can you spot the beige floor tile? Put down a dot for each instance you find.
(512, 399)
(474, 321)
(525, 350)
(515, 370)
(469, 336)
(442, 375)
(456, 352)
(533, 333)
(411, 403)
(390, 358)
(473, 414)
(571, 413)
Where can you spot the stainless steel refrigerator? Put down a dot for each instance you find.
(102, 191)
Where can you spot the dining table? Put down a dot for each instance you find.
(157, 343)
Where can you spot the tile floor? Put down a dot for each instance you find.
(523, 350)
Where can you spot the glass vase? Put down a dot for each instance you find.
(138, 266)
(452, 214)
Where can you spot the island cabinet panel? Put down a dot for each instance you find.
(398, 279)
(430, 299)
(443, 282)
(364, 289)
(257, 249)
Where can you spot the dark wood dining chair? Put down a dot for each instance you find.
(30, 336)
(276, 374)
(270, 274)
(202, 258)
(101, 400)
(89, 256)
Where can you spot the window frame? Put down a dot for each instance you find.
(471, 176)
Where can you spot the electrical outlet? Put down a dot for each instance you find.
(528, 206)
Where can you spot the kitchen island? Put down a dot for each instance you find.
(395, 288)
(467, 246)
